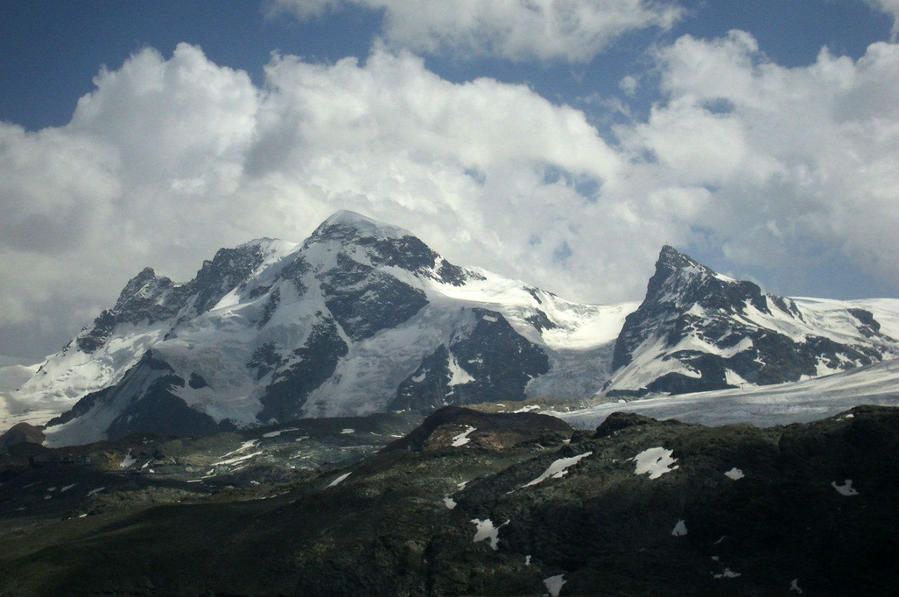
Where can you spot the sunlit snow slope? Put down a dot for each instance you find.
(796, 402)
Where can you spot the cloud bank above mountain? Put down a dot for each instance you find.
(171, 157)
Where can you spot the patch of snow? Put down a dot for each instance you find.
(490, 318)
(734, 474)
(247, 445)
(528, 408)
(728, 573)
(680, 529)
(557, 469)
(462, 439)
(654, 462)
(237, 459)
(844, 489)
(420, 377)
(461, 485)
(128, 460)
(83, 515)
(527, 560)
(279, 432)
(458, 375)
(449, 502)
(338, 480)
(649, 363)
(554, 584)
(67, 487)
(347, 431)
(794, 586)
(94, 491)
(485, 530)
(734, 379)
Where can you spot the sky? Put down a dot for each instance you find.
(560, 143)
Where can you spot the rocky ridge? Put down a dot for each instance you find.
(697, 330)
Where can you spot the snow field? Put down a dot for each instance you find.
(557, 469)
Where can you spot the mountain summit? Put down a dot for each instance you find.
(361, 317)
(699, 330)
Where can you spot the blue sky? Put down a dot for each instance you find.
(53, 50)
(558, 143)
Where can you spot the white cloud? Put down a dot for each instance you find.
(628, 84)
(518, 30)
(795, 157)
(169, 159)
(889, 7)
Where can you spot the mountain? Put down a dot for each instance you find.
(698, 330)
(362, 317)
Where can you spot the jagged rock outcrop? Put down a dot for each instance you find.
(698, 330)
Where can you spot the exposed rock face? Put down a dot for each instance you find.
(311, 365)
(366, 301)
(491, 362)
(148, 298)
(697, 330)
(144, 401)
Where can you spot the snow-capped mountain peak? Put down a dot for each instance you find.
(346, 224)
(364, 317)
(698, 330)
(679, 280)
(361, 317)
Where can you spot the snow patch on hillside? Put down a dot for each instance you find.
(557, 469)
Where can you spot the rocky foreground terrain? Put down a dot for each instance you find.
(464, 503)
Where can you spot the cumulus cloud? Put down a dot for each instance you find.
(518, 30)
(796, 157)
(170, 158)
(889, 7)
